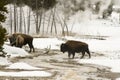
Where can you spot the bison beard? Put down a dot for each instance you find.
(18, 40)
(73, 47)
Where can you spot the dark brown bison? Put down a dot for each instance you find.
(18, 40)
(73, 47)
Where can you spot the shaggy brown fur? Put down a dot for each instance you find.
(18, 40)
(73, 47)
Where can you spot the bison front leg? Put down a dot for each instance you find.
(69, 54)
(31, 46)
(73, 55)
(83, 53)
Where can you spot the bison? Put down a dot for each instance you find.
(73, 47)
(18, 40)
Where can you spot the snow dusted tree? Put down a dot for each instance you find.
(2, 36)
(38, 7)
(3, 31)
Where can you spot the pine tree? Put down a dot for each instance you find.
(2, 39)
(3, 31)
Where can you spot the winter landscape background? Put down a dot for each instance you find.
(67, 20)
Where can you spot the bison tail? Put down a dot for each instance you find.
(88, 53)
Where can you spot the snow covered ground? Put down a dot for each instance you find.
(118, 79)
(28, 70)
(110, 48)
(43, 43)
(26, 74)
(25, 70)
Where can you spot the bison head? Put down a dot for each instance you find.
(63, 48)
(12, 40)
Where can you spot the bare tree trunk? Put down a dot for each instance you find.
(72, 26)
(28, 21)
(15, 29)
(43, 14)
(20, 22)
(119, 18)
(65, 18)
(11, 22)
(55, 27)
(62, 26)
(65, 24)
(54, 21)
(37, 29)
(49, 19)
(43, 23)
(36, 19)
(36, 16)
(17, 25)
(40, 21)
(24, 21)
(51, 28)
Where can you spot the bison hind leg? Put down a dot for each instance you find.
(88, 53)
(31, 47)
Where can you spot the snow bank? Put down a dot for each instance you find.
(105, 45)
(26, 74)
(14, 51)
(22, 65)
(113, 64)
(28, 71)
(4, 61)
(118, 79)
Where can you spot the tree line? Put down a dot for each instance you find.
(20, 21)
(45, 16)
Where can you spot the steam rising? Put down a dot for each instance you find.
(89, 9)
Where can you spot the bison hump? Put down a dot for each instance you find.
(75, 43)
